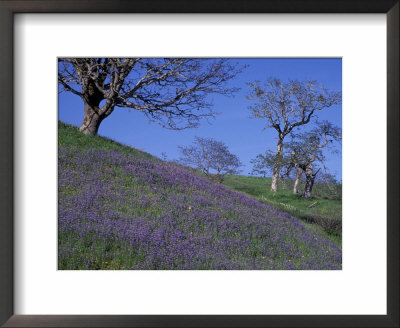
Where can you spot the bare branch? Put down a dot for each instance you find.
(173, 92)
(211, 157)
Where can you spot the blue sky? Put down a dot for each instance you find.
(244, 136)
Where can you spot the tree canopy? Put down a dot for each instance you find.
(287, 105)
(170, 91)
(307, 148)
(211, 157)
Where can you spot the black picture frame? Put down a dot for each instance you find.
(10, 7)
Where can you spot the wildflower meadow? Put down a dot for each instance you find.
(120, 211)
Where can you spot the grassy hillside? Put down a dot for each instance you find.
(120, 208)
(324, 210)
(69, 136)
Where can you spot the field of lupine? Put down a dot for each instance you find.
(121, 210)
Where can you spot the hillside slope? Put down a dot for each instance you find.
(122, 209)
(322, 212)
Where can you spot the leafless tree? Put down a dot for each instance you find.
(170, 91)
(307, 149)
(211, 157)
(264, 164)
(286, 106)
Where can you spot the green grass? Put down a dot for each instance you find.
(260, 188)
(70, 136)
(324, 215)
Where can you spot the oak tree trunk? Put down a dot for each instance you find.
(310, 177)
(91, 121)
(92, 113)
(275, 171)
(296, 182)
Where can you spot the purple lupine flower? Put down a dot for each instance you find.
(121, 212)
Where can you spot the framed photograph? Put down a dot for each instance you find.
(194, 164)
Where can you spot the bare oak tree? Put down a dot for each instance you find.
(286, 106)
(262, 164)
(211, 157)
(170, 91)
(307, 149)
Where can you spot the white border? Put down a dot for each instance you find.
(360, 288)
